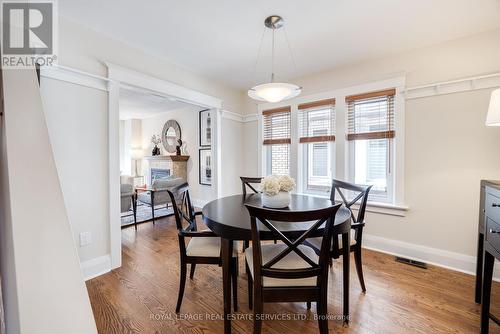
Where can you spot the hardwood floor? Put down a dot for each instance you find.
(140, 296)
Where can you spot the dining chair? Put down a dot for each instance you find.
(203, 247)
(289, 271)
(249, 182)
(350, 194)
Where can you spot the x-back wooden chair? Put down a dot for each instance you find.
(359, 195)
(249, 182)
(204, 247)
(289, 271)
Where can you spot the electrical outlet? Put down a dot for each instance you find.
(85, 239)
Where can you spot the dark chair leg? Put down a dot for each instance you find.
(250, 287)
(193, 267)
(182, 284)
(359, 267)
(134, 209)
(257, 311)
(234, 275)
(322, 317)
(308, 305)
(153, 206)
(246, 244)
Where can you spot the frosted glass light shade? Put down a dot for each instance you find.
(274, 92)
(136, 153)
(493, 118)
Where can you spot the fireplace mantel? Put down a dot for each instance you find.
(168, 157)
(176, 165)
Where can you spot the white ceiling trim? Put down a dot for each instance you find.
(74, 76)
(136, 79)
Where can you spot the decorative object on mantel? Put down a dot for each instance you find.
(276, 191)
(205, 128)
(184, 150)
(493, 117)
(170, 135)
(178, 147)
(205, 163)
(156, 140)
(274, 91)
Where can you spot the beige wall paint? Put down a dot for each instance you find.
(448, 147)
(77, 123)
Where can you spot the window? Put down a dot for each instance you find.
(317, 128)
(277, 140)
(370, 133)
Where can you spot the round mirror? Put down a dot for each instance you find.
(170, 134)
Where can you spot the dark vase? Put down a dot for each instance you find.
(156, 150)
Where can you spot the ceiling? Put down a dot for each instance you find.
(139, 105)
(220, 39)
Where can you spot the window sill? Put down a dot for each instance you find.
(375, 207)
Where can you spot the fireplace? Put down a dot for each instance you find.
(157, 173)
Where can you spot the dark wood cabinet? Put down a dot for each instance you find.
(488, 246)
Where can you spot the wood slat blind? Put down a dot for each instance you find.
(276, 126)
(371, 115)
(317, 121)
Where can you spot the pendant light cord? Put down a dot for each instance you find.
(272, 58)
(291, 53)
(258, 54)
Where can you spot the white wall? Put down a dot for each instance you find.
(233, 152)
(42, 283)
(448, 148)
(77, 123)
(130, 133)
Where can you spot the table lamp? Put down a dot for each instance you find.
(136, 154)
(493, 118)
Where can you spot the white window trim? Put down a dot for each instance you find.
(398, 206)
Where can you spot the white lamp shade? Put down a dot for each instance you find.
(136, 153)
(493, 118)
(274, 92)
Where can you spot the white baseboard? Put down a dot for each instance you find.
(96, 267)
(438, 257)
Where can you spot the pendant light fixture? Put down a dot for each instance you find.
(274, 91)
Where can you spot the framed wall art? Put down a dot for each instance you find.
(205, 165)
(205, 128)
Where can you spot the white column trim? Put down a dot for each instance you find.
(114, 175)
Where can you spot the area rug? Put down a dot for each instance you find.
(144, 214)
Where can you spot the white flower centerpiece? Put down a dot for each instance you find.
(276, 191)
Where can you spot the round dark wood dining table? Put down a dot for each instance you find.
(229, 218)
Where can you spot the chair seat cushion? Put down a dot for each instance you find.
(205, 247)
(316, 242)
(291, 261)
